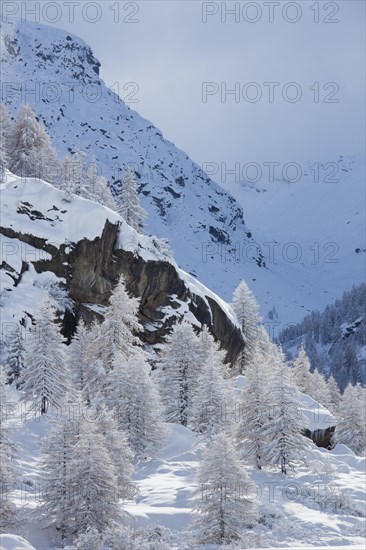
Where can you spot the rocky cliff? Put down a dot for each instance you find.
(85, 248)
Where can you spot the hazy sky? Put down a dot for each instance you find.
(174, 47)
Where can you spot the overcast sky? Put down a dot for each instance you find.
(169, 52)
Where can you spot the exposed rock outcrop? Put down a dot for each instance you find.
(92, 269)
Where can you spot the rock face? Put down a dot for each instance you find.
(92, 268)
(84, 247)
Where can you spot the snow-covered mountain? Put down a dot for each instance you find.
(199, 218)
(83, 248)
(312, 233)
(307, 244)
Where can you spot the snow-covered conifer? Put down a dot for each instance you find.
(8, 452)
(15, 358)
(129, 204)
(56, 455)
(318, 388)
(351, 421)
(4, 133)
(87, 369)
(333, 395)
(211, 403)
(136, 403)
(246, 310)
(98, 186)
(31, 153)
(222, 498)
(285, 446)
(75, 179)
(93, 483)
(178, 373)
(253, 410)
(301, 374)
(120, 325)
(45, 377)
(118, 449)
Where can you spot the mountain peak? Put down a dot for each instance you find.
(57, 74)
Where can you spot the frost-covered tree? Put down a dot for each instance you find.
(285, 445)
(206, 344)
(56, 455)
(351, 421)
(8, 467)
(120, 325)
(253, 413)
(246, 310)
(93, 484)
(351, 364)
(222, 498)
(30, 151)
(333, 395)
(98, 186)
(74, 178)
(15, 358)
(318, 388)
(212, 400)
(118, 449)
(129, 205)
(178, 373)
(4, 134)
(87, 369)
(57, 293)
(135, 400)
(301, 374)
(45, 377)
(67, 182)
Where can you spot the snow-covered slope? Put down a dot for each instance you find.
(79, 111)
(309, 235)
(318, 506)
(312, 234)
(13, 542)
(40, 237)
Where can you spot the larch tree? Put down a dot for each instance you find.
(118, 449)
(78, 357)
(178, 373)
(129, 204)
(74, 179)
(351, 421)
(87, 368)
(120, 325)
(333, 395)
(56, 455)
(93, 484)
(212, 399)
(301, 374)
(15, 358)
(8, 464)
(253, 413)
(221, 499)
(98, 186)
(319, 389)
(135, 401)
(45, 378)
(30, 150)
(285, 446)
(246, 309)
(4, 137)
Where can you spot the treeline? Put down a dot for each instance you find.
(334, 339)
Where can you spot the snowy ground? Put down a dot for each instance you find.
(290, 514)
